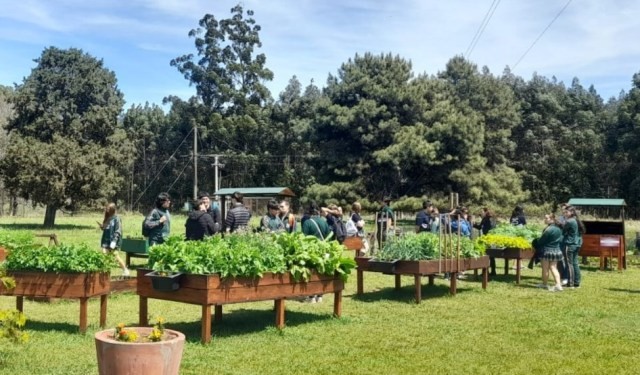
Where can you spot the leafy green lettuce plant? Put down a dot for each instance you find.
(59, 258)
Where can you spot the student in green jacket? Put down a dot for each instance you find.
(549, 242)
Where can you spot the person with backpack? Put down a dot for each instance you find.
(199, 223)
(112, 235)
(157, 225)
(287, 217)
(271, 222)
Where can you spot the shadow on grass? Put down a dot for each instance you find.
(246, 321)
(407, 293)
(511, 278)
(624, 290)
(40, 326)
(39, 227)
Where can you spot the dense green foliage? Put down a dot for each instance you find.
(252, 255)
(59, 258)
(528, 232)
(12, 239)
(65, 142)
(424, 246)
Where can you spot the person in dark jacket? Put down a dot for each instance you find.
(517, 216)
(213, 211)
(423, 218)
(487, 223)
(199, 223)
(572, 237)
(158, 222)
(549, 242)
(112, 235)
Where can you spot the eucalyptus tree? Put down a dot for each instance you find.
(66, 147)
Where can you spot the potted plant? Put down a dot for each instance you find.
(139, 350)
(165, 281)
(61, 271)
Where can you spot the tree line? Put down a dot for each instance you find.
(375, 129)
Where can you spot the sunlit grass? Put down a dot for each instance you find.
(507, 329)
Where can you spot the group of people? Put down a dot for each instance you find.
(557, 248)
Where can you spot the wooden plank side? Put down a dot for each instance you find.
(46, 284)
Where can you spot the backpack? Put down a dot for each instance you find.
(339, 229)
(146, 232)
(350, 228)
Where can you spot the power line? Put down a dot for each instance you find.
(161, 169)
(541, 34)
(483, 25)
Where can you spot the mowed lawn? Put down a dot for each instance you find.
(506, 329)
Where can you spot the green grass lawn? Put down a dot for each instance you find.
(507, 329)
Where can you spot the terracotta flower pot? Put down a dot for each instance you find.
(124, 358)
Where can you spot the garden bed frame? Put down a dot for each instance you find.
(211, 290)
(80, 286)
(420, 268)
(511, 253)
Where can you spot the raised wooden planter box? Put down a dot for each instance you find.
(511, 253)
(430, 268)
(62, 285)
(135, 248)
(208, 290)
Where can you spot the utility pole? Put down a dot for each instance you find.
(216, 164)
(195, 160)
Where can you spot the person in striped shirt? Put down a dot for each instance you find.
(238, 216)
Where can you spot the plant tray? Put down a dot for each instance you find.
(380, 266)
(139, 245)
(165, 283)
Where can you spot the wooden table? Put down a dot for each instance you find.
(421, 268)
(211, 290)
(511, 253)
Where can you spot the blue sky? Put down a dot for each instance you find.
(596, 41)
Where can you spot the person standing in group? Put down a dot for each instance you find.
(212, 210)
(459, 223)
(517, 216)
(549, 244)
(271, 222)
(112, 235)
(385, 221)
(423, 218)
(355, 227)
(572, 231)
(199, 223)
(316, 226)
(238, 216)
(487, 223)
(158, 222)
(287, 217)
(435, 220)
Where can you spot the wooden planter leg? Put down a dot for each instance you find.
(431, 277)
(83, 314)
(103, 310)
(398, 282)
(506, 266)
(205, 333)
(337, 304)
(218, 314)
(143, 316)
(453, 277)
(518, 263)
(485, 278)
(19, 303)
(128, 261)
(418, 281)
(360, 282)
(280, 313)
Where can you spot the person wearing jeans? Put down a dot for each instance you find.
(572, 232)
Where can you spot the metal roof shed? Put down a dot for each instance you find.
(605, 239)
